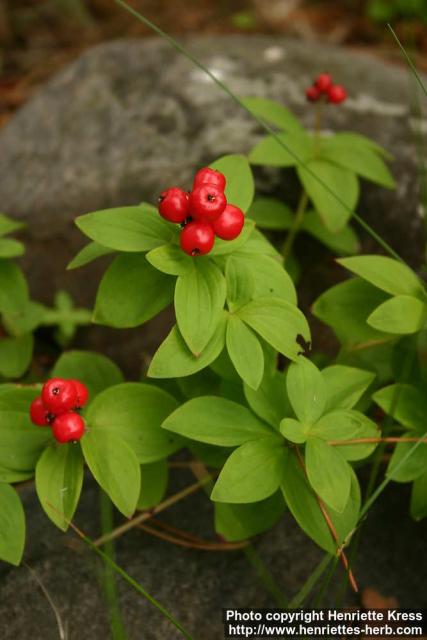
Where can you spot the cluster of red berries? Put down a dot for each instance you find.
(203, 213)
(323, 87)
(58, 407)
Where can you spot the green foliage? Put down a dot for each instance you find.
(134, 412)
(123, 301)
(154, 481)
(96, 371)
(12, 525)
(59, 480)
(114, 466)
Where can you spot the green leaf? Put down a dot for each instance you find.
(293, 430)
(10, 248)
(236, 522)
(403, 402)
(269, 401)
(137, 228)
(15, 355)
(341, 182)
(154, 481)
(8, 225)
(253, 472)
(306, 390)
(400, 315)
(278, 322)
(240, 187)
(115, 468)
(240, 283)
(414, 467)
(419, 498)
(270, 279)
(298, 147)
(224, 247)
(15, 397)
(217, 421)
(342, 242)
(303, 504)
(131, 292)
(363, 160)
(257, 244)
(270, 213)
(88, 254)
(13, 288)
(385, 273)
(199, 303)
(347, 424)
(21, 441)
(328, 473)
(96, 371)
(245, 351)
(59, 480)
(12, 526)
(11, 476)
(173, 359)
(346, 307)
(170, 259)
(356, 141)
(345, 386)
(273, 113)
(135, 412)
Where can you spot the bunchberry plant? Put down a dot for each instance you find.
(235, 383)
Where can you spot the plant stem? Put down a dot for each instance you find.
(323, 509)
(109, 584)
(293, 231)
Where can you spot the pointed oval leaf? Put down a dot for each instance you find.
(135, 412)
(131, 292)
(245, 352)
(115, 467)
(217, 421)
(137, 228)
(199, 303)
(12, 525)
(253, 472)
(306, 390)
(386, 273)
(400, 315)
(59, 480)
(328, 473)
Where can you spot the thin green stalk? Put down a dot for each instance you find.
(133, 583)
(326, 583)
(407, 58)
(175, 44)
(109, 583)
(308, 586)
(296, 226)
(387, 480)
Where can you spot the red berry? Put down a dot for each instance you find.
(59, 395)
(197, 238)
(312, 94)
(207, 202)
(173, 205)
(230, 223)
(68, 427)
(82, 393)
(39, 414)
(323, 82)
(337, 94)
(209, 176)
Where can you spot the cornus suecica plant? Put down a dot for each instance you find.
(237, 383)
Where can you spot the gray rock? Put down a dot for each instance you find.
(194, 585)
